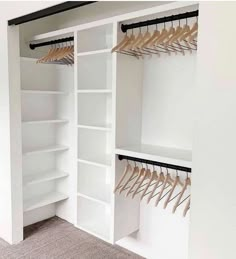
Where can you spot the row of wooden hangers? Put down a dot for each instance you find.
(180, 39)
(59, 54)
(155, 185)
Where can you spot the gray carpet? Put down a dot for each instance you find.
(56, 238)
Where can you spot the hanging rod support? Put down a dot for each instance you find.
(125, 27)
(165, 165)
(47, 43)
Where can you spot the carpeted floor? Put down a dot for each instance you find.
(56, 238)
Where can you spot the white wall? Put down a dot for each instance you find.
(213, 206)
(10, 191)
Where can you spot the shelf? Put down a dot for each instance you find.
(97, 127)
(46, 150)
(42, 92)
(43, 200)
(45, 121)
(40, 177)
(168, 155)
(101, 163)
(94, 91)
(93, 199)
(94, 52)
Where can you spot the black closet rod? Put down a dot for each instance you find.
(144, 161)
(46, 43)
(125, 27)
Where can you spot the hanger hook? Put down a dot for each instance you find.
(186, 21)
(186, 175)
(177, 173)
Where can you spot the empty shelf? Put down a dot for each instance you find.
(42, 92)
(40, 177)
(91, 91)
(45, 121)
(93, 199)
(95, 127)
(94, 52)
(167, 155)
(43, 200)
(46, 150)
(103, 162)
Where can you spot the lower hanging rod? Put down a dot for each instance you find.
(47, 43)
(144, 161)
(125, 27)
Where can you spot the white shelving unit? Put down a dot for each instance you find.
(44, 200)
(75, 121)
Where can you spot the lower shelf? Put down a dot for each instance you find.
(94, 218)
(43, 200)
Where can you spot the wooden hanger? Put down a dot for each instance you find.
(178, 202)
(176, 182)
(164, 186)
(146, 175)
(128, 168)
(187, 207)
(153, 176)
(132, 176)
(119, 45)
(141, 173)
(159, 182)
(189, 33)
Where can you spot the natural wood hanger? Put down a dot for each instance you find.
(133, 175)
(128, 168)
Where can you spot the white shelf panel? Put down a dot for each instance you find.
(101, 163)
(157, 153)
(42, 92)
(46, 150)
(93, 199)
(40, 177)
(94, 52)
(43, 200)
(45, 121)
(94, 91)
(95, 127)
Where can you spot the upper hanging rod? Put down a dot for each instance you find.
(46, 43)
(140, 160)
(125, 27)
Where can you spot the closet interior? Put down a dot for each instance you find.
(102, 97)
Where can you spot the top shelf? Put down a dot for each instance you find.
(42, 92)
(180, 157)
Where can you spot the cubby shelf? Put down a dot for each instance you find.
(100, 163)
(42, 92)
(94, 52)
(95, 127)
(46, 149)
(93, 199)
(45, 121)
(181, 157)
(94, 91)
(43, 200)
(40, 177)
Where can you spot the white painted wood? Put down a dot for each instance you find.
(91, 91)
(148, 11)
(44, 121)
(157, 153)
(43, 200)
(100, 164)
(43, 176)
(54, 148)
(94, 71)
(97, 127)
(94, 182)
(92, 199)
(94, 52)
(41, 92)
(93, 217)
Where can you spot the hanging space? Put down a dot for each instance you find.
(156, 59)
(47, 114)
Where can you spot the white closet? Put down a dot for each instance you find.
(76, 120)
